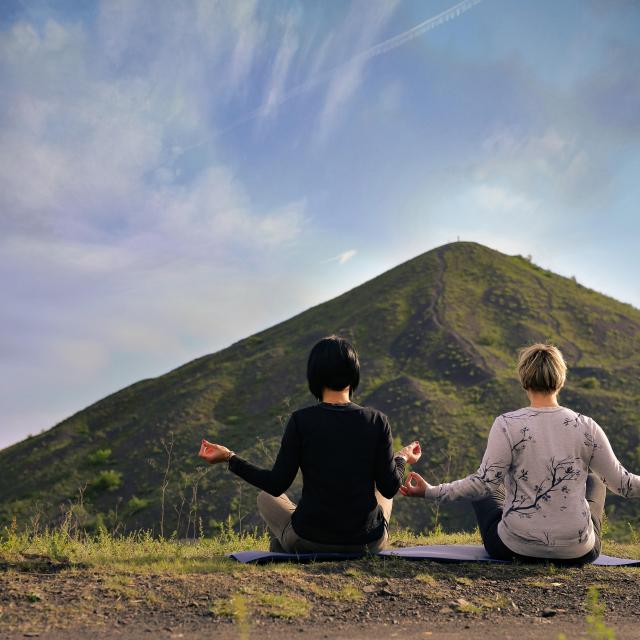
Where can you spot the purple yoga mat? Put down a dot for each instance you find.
(437, 552)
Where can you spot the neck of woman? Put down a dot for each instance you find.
(336, 397)
(540, 400)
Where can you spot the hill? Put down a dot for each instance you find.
(437, 335)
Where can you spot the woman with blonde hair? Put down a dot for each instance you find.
(540, 490)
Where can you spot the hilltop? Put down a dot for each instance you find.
(438, 337)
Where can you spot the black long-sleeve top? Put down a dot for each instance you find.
(344, 452)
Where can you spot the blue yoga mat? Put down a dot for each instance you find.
(438, 552)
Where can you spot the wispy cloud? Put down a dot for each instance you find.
(134, 235)
(250, 35)
(499, 199)
(347, 78)
(344, 76)
(281, 66)
(359, 31)
(125, 255)
(343, 257)
(556, 163)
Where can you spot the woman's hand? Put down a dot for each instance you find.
(411, 453)
(415, 486)
(214, 453)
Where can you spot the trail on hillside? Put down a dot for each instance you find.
(466, 345)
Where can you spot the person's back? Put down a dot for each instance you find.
(540, 489)
(338, 502)
(345, 452)
(545, 509)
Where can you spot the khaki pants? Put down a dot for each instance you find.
(276, 512)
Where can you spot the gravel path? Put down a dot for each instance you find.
(362, 599)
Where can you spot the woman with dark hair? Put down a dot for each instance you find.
(345, 451)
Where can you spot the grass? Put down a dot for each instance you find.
(119, 566)
(597, 629)
(135, 552)
(141, 552)
(427, 579)
(542, 584)
(348, 593)
(235, 607)
(464, 606)
(283, 605)
(239, 606)
(121, 585)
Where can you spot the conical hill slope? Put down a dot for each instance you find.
(438, 337)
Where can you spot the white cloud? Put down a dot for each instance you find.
(360, 29)
(83, 257)
(500, 199)
(346, 256)
(249, 34)
(280, 70)
(556, 164)
(76, 162)
(120, 260)
(343, 257)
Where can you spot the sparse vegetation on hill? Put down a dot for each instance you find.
(438, 337)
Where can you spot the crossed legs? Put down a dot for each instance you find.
(489, 513)
(277, 512)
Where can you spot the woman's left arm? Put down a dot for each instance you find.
(604, 462)
(274, 481)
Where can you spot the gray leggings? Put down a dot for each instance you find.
(277, 512)
(489, 513)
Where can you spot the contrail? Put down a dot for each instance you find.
(414, 32)
(372, 52)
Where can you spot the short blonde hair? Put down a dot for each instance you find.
(541, 367)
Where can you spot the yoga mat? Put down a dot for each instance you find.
(437, 552)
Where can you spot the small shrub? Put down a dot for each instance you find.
(109, 480)
(136, 504)
(590, 383)
(236, 608)
(99, 457)
(284, 606)
(597, 628)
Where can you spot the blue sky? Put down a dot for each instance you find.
(175, 176)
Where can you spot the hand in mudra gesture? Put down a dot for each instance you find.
(411, 453)
(415, 486)
(214, 453)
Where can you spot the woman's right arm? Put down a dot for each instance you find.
(604, 462)
(275, 480)
(495, 462)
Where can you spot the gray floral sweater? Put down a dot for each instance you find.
(543, 457)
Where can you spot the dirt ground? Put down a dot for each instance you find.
(355, 600)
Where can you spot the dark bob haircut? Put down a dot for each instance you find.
(333, 363)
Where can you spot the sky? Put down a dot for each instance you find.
(175, 176)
